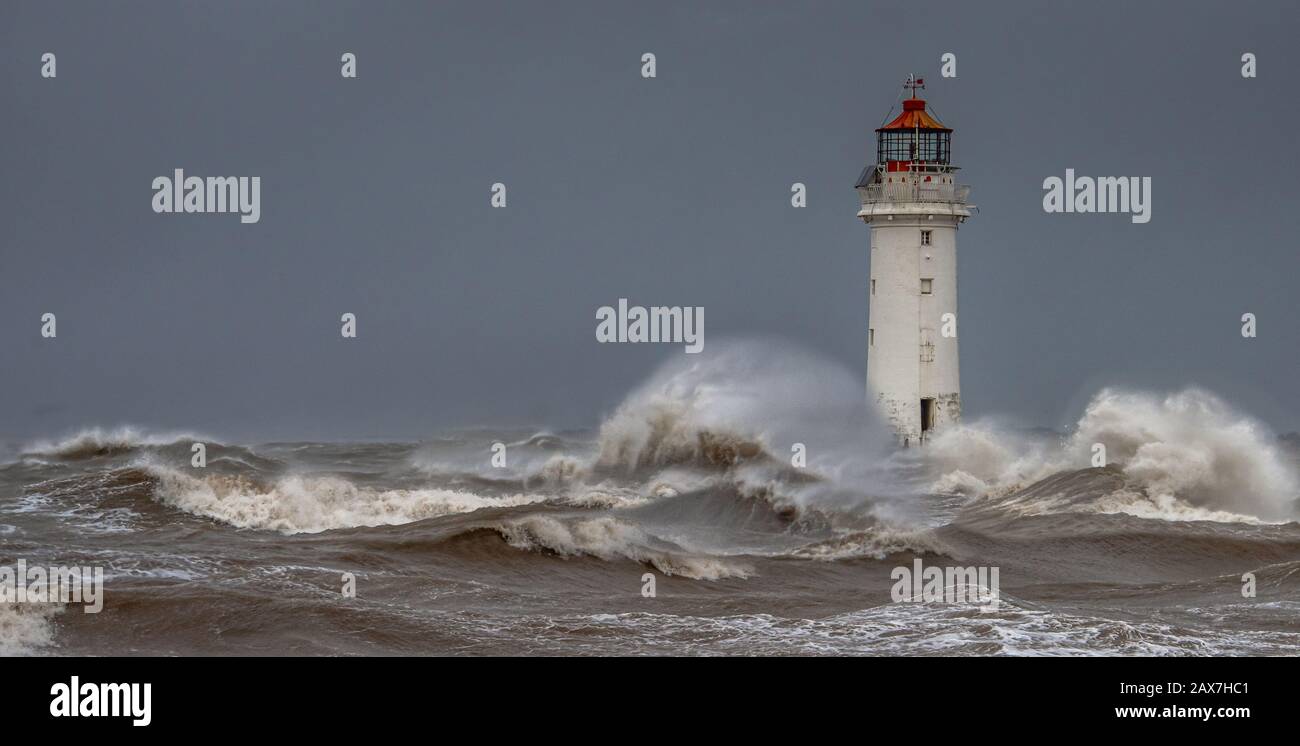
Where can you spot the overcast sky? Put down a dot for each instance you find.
(671, 191)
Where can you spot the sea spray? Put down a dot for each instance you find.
(1179, 451)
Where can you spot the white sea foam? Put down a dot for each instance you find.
(312, 503)
(1015, 629)
(1184, 456)
(26, 629)
(743, 406)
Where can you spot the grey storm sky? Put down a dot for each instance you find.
(672, 191)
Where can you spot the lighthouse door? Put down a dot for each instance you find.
(927, 416)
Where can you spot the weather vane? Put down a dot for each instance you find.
(914, 82)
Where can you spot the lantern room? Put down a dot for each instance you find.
(914, 141)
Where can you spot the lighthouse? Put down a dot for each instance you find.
(914, 205)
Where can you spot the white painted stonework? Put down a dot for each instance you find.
(908, 358)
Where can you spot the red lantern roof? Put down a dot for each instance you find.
(914, 117)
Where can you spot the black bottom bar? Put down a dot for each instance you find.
(229, 696)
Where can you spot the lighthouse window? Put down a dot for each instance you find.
(925, 238)
(932, 146)
(927, 286)
(871, 337)
(873, 287)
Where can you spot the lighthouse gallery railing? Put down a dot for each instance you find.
(919, 192)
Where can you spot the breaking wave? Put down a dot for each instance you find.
(1183, 456)
(98, 442)
(742, 402)
(312, 503)
(766, 419)
(609, 538)
(874, 544)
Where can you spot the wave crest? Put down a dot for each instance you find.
(310, 503)
(1183, 456)
(98, 442)
(608, 538)
(877, 543)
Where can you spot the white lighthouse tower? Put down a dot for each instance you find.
(913, 204)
